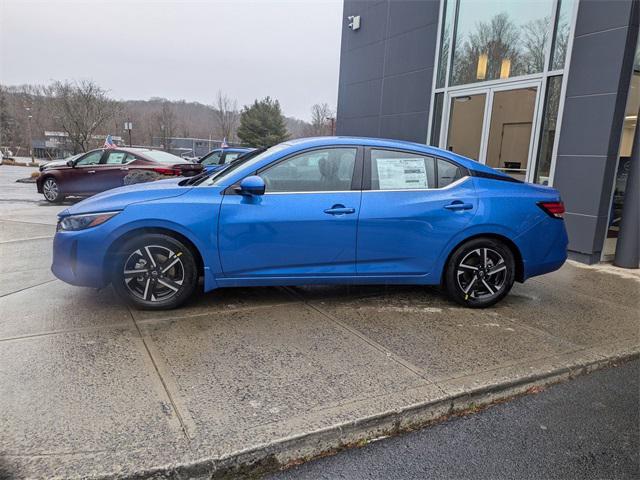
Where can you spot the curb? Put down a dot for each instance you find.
(291, 451)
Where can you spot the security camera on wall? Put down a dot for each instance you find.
(354, 22)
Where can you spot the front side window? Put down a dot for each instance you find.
(326, 170)
(92, 158)
(392, 170)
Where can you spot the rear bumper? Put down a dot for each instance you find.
(76, 261)
(544, 247)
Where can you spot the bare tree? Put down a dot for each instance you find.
(82, 108)
(321, 120)
(535, 35)
(165, 122)
(225, 112)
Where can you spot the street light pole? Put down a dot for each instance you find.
(29, 116)
(333, 125)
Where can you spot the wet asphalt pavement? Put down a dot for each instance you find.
(584, 429)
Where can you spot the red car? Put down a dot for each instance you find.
(106, 168)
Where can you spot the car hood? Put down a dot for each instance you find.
(119, 198)
(54, 164)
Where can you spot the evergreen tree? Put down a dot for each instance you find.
(262, 124)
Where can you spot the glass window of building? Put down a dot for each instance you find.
(445, 41)
(624, 160)
(561, 34)
(498, 39)
(548, 130)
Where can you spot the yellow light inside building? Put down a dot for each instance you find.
(481, 73)
(505, 68)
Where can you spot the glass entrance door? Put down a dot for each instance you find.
(495, 126)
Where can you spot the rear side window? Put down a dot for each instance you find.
(447, 173)
(231, 156)
(391, 170)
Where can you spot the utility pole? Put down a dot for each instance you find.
(333, 125)
(29, 116)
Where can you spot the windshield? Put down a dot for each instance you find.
(247, 161)
(163, 157)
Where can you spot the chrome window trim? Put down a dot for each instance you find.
(451, 185)
(446, 187)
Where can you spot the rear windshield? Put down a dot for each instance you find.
(163, 157)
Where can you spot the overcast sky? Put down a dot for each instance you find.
(137, 49)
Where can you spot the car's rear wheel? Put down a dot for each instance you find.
(480, 273)
(155, 272)
(51, 190)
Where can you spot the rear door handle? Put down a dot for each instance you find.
(458, 205)
(124, 168)
(91, 171)
(339, 210)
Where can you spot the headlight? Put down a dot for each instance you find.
(80, 222)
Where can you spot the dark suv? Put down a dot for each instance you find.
(106, 168)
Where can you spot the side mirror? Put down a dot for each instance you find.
(71, 163)
(253, 185)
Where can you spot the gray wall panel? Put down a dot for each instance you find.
(407, 15)
(597, 86)
(600, 15)
(586, 125)
(362, 99)
(585, 50)
(406, 93)
(408, 52)
(407, 126)
(365, 63)
(402, 34)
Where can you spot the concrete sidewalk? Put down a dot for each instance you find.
(247, 379)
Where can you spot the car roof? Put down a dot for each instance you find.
(468, 163)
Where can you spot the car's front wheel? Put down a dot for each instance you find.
(51, 190)
(155, 272)
(480, 273)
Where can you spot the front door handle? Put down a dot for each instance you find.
(339, 210)
(124, 168)
(458, 205)
(91, 171)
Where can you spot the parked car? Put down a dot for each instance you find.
(327, 210)
(107, 168)
(218, 158)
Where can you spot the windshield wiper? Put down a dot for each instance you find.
(195, 178)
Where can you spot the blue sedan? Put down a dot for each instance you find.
(324, 210)
(218, 158)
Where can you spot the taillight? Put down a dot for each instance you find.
(553, 209)
(166, 171)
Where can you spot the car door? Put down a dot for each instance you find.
(115, 165)
(305, 223)
(412, 205)
(80, 178)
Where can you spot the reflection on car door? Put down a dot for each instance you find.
(305, 223)
(412, 205)
(113, 169)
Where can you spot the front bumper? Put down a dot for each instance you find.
(77, 260)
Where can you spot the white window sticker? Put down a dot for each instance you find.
(401, 173)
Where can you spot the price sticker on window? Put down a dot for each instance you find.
(401, 173)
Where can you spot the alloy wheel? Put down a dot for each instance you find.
(481, 273)
(50, 189)
(154, 273)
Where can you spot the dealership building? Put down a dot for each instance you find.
(547, 91)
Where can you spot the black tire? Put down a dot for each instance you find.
(154, 272)
(480, 273)
(51, 190)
